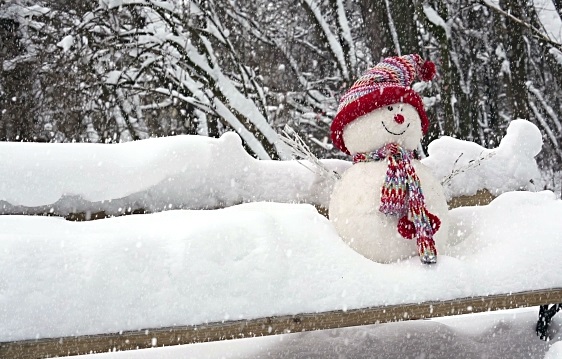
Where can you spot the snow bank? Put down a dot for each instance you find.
(192, 172)
(64, 278)
(555, 351)
(467, 167)
(196, 172)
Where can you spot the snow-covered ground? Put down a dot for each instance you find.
(497, 335)
(555, 351)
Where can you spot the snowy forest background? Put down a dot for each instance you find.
(121, 70)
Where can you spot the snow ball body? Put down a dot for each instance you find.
(355, 200)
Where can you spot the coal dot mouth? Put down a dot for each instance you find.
(394, 133)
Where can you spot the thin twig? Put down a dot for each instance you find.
(300, 150)
(471, 165)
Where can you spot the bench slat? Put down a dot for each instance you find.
(157, 337)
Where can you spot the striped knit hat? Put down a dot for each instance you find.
(385, 84)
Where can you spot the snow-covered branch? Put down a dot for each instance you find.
(335, 46)
(537, 32)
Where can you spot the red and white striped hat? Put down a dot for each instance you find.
(385, 84)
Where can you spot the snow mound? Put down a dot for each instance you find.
(467, 167)
(555, 351)
(63, 278)
(192, 172)
(196, 172)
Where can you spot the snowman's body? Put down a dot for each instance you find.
(356, 198)
(354, 211)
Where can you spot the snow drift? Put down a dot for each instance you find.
(63, 278)
(195, 172)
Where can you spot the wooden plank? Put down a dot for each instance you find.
(147, 338)
(481, 198)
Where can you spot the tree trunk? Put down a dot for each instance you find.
(381, 21)
(446, 69)
(516, 51)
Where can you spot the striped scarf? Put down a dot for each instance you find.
(402, 196)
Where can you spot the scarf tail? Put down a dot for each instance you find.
(424, 237)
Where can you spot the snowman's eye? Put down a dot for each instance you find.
(389, 108)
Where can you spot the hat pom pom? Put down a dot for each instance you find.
(427, 71)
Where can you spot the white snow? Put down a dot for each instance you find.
(510, 166)
(555, 351)
(436, 20)
(184, 267)
(196, 172)
(66, 43)
(496, 335)
(64, 278)
(193, 172)
(557, 55)
(550, 19)
(113, 77)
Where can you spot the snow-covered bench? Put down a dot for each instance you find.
(253, 269)
(239, 271)
(195, 172)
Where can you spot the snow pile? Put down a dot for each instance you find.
(192, 172)
(555, 351)
(63, 278)
(467, 167)
(196, 172)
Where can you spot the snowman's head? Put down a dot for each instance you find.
(382, 107)
(398, 123)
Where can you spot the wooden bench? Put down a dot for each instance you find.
(159, 337)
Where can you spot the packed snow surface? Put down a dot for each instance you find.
(467, 167)
(496, 335)
(184, 267)
(555, 351)
(192, 172)
(196, 172)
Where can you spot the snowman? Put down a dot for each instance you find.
(387, 206)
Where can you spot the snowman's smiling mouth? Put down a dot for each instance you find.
(393, 133)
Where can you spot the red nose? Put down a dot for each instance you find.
(399, 118)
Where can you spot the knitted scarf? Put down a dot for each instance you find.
(402, 196)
